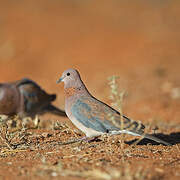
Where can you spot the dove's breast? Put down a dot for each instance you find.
(89, 132)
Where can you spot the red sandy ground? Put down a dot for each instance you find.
(138, 41)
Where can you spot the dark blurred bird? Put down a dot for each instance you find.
(26, 99)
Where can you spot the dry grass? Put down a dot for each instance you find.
(14, 134)
(117, 98)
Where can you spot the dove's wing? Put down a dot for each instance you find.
(35, 98)
(97, 115)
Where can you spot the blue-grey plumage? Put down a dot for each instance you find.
(36, 100)
(92, 116)
(96, 115)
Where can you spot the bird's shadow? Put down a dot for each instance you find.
(173, 138)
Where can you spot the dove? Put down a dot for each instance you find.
(25, 98)
(92, 116)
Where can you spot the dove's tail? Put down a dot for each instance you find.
(151, 137)
(54, 110)
(148, 136)
(52, 97)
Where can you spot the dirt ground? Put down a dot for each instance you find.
(139, 41)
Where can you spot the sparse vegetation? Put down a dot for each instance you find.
(117, 101)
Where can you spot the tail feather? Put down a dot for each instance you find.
(52, 97)
(125, 132)
(137, 129)
(148, 136)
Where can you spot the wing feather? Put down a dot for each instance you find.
(99, 116)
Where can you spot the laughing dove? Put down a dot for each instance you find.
(92, 116)
(26, 98)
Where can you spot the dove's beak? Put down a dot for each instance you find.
(60, 80)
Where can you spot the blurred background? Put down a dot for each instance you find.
(137, 40)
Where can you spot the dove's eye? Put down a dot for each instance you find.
(68, 74)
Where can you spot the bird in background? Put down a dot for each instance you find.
(25, 98)
(92, 116)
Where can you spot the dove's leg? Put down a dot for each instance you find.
(88, 139)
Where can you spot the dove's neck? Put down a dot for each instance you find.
(75, 89)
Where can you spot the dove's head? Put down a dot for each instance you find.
(71, 78)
